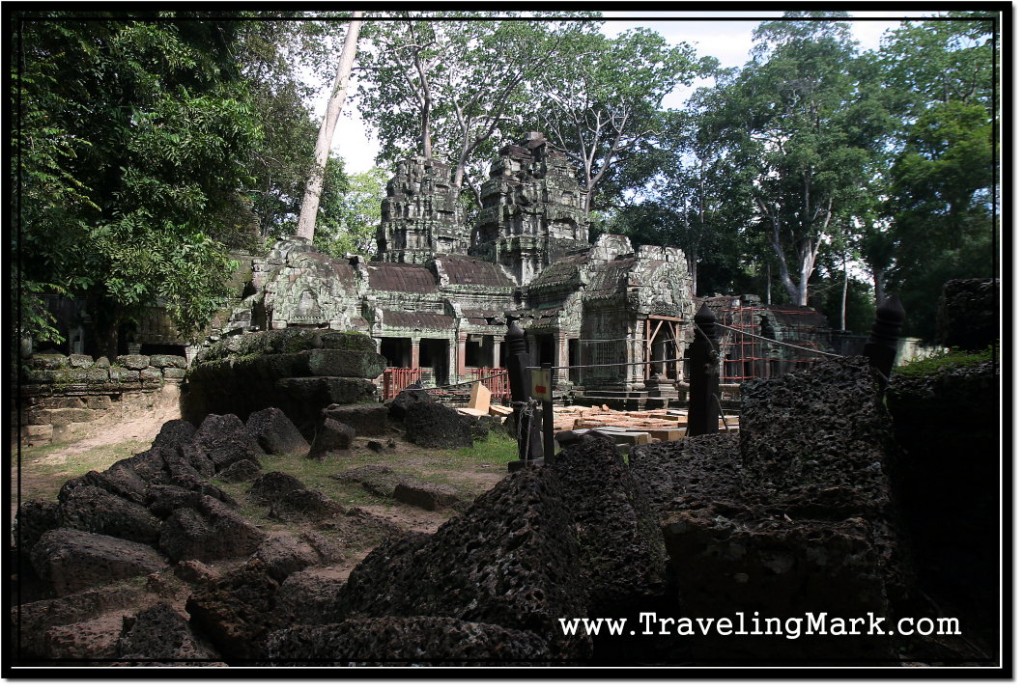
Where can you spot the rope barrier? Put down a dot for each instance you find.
(613, 364)
(463, 383)
(772, 340)
(645, 362)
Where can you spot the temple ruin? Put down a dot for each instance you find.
(614, 320)
(611, 318)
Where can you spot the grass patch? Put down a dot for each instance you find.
(937, 364)
(497, 450)
(44, 469)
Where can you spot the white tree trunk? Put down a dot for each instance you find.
(315, 183)
(846, 285)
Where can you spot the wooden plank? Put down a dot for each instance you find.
(472, 412)
(667, 434)
(480, 397)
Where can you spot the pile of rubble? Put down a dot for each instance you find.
(792, 515)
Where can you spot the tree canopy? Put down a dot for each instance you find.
(151, 143)
(133, 138)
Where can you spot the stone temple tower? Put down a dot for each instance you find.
(532, 209)
(421, 217)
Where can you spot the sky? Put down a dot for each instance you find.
(721, 34)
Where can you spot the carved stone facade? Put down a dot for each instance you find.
(421, 216)
(533, 209)
(437, 297)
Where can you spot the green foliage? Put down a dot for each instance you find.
(944, 171)
(133, 137)
(860, 303)
(273, 53)
(945, 362)
(453, 88)
(35, 320)
(799, 129)
(350, 213)
(602, 105)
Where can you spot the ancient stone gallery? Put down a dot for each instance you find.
(437, 298)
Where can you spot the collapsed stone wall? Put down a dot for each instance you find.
(61, 396)
(300, 371)
(793, 515)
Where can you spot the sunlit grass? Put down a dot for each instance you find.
(46, 468)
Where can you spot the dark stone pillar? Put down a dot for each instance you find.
(704, 409)
(881, 346)
(517, 361)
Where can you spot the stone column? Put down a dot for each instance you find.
(636, 352)
(561, 358)
(461, 355)
(496, 354)
(414, 355)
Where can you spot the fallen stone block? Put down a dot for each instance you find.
(159, 633)
(236, 613)
(431, 496)
(304, 505)
(433, 425)
(35, 619)
(370, 419)
(93, 510)
(70, 560)
(271, 486)
(275, 433)
(151, 465)
(331, 436)
(214, 531)
(175, 433)
(92, 639)
(241, 471)
(226, 440)
(282, 555)
(309, 596)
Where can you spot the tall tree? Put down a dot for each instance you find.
(943, 197)
(275, 57)
(802, 133)
(315, 182)
(350, 213)
(447, 87)
(604, 101)
(133, 132)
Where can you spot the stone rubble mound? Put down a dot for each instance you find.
(793, 515)
(410, 640)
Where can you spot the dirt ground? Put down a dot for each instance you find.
(39, 472)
